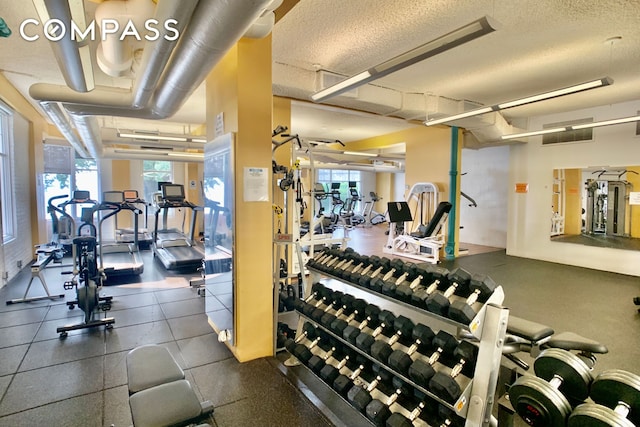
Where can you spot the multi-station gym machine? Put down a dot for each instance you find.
(607, 204)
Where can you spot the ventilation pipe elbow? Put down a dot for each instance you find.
(115, 53)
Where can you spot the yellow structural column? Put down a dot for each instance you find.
(239, 87)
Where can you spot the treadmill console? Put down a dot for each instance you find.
(130, 195)
(173, 192)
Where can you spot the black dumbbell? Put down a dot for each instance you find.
(338, 325)
(398, 420)
(378, 411)
(342, 304)
(360, 396)
(330, 372)
(308, 331)
(422, 371)
(458, 282)
(384, 264)
(616, 394)
(482, 287)
(445, 386)
(367, 317)
(365, 340)
(316, 289)
(409, 272)
(371, 263)
(356, 264)
(438, 279)
(316, 363)
(402, 327)
(331, 300)
(420, 276)
(328, 256)
(400, 360)
(343, 383)
(543, 399)
(395, 270)
(346, 260)
(448, 418)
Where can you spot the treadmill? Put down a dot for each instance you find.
(118, 258)
(125, 235)
(171, 246)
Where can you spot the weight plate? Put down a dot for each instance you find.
(575, 374)
(538, 403)
(613, 386)
(594, 415)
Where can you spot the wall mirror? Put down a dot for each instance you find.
(218, 189)
(597, 206)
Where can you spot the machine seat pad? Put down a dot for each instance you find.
(527, 329)
(165, 405)
(149, 366)
(573, 341)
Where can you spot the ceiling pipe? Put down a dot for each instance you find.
(130, 154)
(55, 113)
(89, 130)
(66, 50)
(214, 28)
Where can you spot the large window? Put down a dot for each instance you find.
(64, 173)
(342, 177)
(153, 172)
(6, 179)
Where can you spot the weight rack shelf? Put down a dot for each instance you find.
(496, 298)
(461, 403)
(488, 327)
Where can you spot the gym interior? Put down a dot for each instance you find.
(299, 213)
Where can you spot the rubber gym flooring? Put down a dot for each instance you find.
(81, 381)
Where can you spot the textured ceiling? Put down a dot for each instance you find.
(540, 45)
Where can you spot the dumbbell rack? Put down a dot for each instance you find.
(488, 327)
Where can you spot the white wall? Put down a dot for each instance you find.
(486, 181)
(19, 249)
(531, 163)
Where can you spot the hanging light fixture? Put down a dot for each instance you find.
(448, 41)
(573, 127)
(593, 84)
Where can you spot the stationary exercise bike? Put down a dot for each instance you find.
(87, 280)
(373, 217)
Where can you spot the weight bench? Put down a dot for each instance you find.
(158, 393)
(531, 337)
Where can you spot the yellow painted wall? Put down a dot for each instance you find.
(240, 87)
(428, 153)
(38, 126)
(573, 200)
(634, 179)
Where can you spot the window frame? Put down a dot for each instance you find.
(7, 202)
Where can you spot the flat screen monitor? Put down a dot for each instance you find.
(335, 186)
(353, 184)
(173, 192)
(81, 195)
(130, 194)
(161, 184)
(113, 197)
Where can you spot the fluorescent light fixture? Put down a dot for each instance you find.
(443, 43)
(607, 122)
(186, 154)
(533, 133)
(359, 153)
(470, 113)
(574, 127)
(341, 87)
(156, 137)
(605, 81)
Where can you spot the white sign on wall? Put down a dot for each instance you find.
(634, 198)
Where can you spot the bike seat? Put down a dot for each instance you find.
(573, 341)
(528, 330)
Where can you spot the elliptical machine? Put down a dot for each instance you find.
(87, 279)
